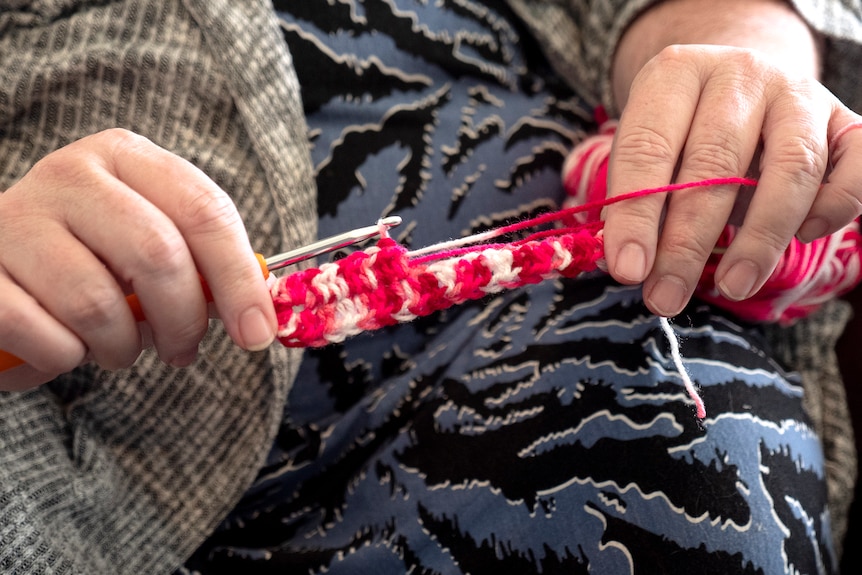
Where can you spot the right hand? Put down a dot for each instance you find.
(106, 216)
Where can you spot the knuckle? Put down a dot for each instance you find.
(208, 209)
(748, 64)
(802, 159)
(163, 251)
(82, 163)
(768, 238)
(714, 158)
(90, 309)
(121, 140)
(672, 56)
(684, 249)
(64, 166)
(643, 147)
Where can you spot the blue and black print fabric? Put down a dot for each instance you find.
(544, 430)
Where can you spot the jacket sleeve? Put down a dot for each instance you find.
(580, 37)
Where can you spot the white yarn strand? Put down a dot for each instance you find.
(676, 356)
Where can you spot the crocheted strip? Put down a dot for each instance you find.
(382, 285)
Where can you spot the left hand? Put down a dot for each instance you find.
(704, 111)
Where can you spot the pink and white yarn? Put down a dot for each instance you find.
(386, 284)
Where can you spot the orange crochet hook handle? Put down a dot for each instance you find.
(8, 361)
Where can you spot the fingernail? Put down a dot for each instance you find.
(668, 296)
(811, 229)
(739, 281)
(631, 263)
(256, 331)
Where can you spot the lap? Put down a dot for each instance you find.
(545, 431)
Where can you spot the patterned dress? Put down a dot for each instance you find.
(543, 430)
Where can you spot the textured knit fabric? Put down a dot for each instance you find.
(127, 472)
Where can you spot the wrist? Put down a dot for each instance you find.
(771, 27)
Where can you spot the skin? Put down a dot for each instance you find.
(741, 80)
(148, 223)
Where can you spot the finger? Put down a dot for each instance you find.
(32, 334)
(211, 226)
(792, 167)
(644, 155)
(721, 143)
(839, 200)
(80, 293)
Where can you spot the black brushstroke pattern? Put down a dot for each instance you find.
(652, 553)
(451, 457)
(302, 443)
(806, 488)
(322, 76)
(505, 313)
(495, 557)
(411, 558)
(380, 17)
(479, 95)
(489, 22)
(529, 129)
(469, 138)
(546, 156)
(439, 49)
(460, 193)
(347, 384)
(628, 355)
(337, 17)
(574, 293)
(570, 112)
(323, 500)
(278, 561)
(407, 127)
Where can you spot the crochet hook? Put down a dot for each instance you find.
(267, 265)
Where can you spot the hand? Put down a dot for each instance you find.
(706, 111)
(109, 215)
